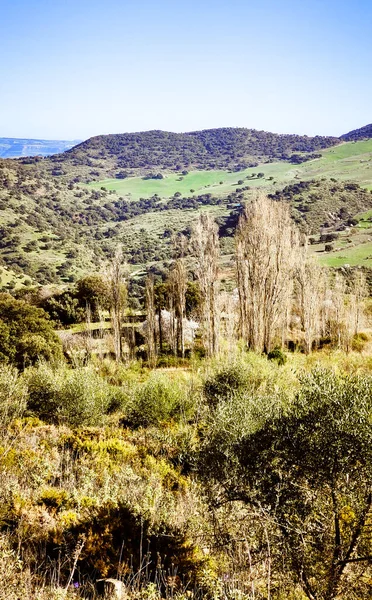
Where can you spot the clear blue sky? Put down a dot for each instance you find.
(75, 68)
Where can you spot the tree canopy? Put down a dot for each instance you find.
(26, 334)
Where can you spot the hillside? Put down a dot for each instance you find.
(55, 227)
(137, 153)
(17, 147)
(347, 161)
(358, 134)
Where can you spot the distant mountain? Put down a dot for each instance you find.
(358, 134)
(225, 148)
(16, 147)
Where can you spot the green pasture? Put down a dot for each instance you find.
(218, 183)
(351, 160)
(359, 255)
(354, 247)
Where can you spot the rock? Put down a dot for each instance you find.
(111, 589)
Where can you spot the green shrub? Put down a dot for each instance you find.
(309, 469)
(359, 341)
(278, 355)
(224, 383)
(159, 399)
(25, 333)
(77, 397)
(13, 395)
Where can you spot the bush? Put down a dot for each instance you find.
(25, 333)
(77, 397)
(359, 341)
(309, 469)
(159, 399)
(278, 355)
(224, 383)
(13, 395)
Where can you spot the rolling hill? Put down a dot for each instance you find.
(120, 155)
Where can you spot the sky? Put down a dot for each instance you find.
(72, 69)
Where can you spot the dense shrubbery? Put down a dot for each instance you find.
(234, 456)
(211, 148)
(304, 465)
(159, 400)
(77, 397)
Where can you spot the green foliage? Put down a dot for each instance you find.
(313, 201)
(64, 309)
(359, 341)
(278, 355)
(93, 290)
(26, 335)
(206, 148)
(77, 397)
(13, 395)
(307, 468)
(224, 384)
(358, 134)
(159, 399)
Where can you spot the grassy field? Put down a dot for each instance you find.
(351, 160)
(218, 183)
(353, 248)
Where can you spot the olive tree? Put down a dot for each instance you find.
(307, 470)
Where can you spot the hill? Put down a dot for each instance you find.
(17, 147)
(55, 227)
(126, 154)
(358, 134)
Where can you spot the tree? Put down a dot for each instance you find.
(118, 296)
(160, 299)
(177, 304)
(150, 320)
(26, 334)
(206, 249)
(309, 283)
(93, 290)
(266, 248)
(308, 473)
(358, 295)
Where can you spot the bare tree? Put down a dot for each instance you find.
(339, 318)
(117, 299)
(150, 320)
(309, 284)
(358, 295)
(177, 304)
(206, 249)
(266, 247)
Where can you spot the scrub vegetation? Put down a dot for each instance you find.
(186, 439)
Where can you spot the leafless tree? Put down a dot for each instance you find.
(358, 295)
(150, 320)
(177, 304)
(117, 299)
(309, 284)
(266, 247)
(206, 250)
